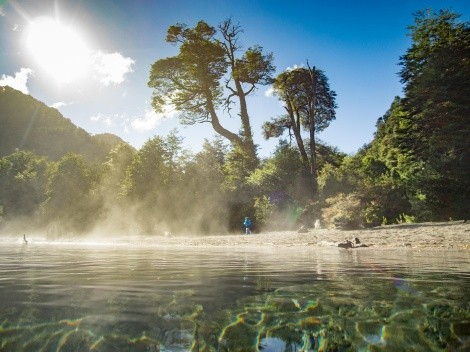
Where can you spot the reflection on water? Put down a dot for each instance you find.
(80, 297)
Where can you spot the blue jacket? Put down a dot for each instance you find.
(247, 222)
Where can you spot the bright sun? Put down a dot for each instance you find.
(59, 49)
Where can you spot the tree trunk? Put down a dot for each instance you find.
(313, 158)
(295, 121)
(245, 119)
(230, 33)
(311, 112)
(232, 137)
(296, 128)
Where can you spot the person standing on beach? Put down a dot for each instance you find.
(247, 223)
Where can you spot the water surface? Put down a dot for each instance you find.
(133, 297)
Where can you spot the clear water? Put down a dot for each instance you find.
(97, 297)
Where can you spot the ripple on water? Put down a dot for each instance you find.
(117, 298)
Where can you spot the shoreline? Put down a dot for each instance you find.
(450, 236)
(437, 236)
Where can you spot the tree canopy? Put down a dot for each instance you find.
(310, 105)
(207, 74)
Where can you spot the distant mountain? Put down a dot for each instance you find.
(29, 124)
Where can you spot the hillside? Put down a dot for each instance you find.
(29, 124)
(108, 139)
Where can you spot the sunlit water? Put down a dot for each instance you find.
(89, 297)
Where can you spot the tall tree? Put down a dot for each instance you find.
(436, 74)
(207, 75)
(247, 72)
(310, 105)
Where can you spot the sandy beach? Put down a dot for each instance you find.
(442, 236)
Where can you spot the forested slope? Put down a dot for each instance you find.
(29, 124)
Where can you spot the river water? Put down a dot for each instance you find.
(134, 297)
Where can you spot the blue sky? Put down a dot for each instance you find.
(96, 66)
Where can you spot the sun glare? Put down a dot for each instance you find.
(60, 50)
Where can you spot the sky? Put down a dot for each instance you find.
(91, 59)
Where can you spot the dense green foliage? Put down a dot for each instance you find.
(68, 203)
(416, 168)
(436, 73)
(22, 178)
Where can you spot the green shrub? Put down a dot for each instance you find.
(344, 210)
(406, 219)
(373, 214)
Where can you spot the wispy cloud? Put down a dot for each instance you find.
(291, 68)
(15, 28)
(18, 81)
(269, 92)
(60, 104)
(2, 12)
(141, 124)
(111, 68)
(108, 120)
(149, 121)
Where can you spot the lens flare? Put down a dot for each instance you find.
(58, 49)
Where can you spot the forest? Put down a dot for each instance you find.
(416, 169)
